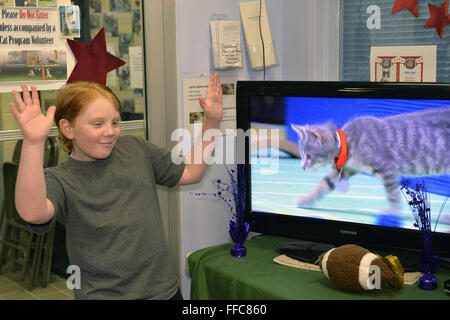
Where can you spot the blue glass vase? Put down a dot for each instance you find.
(239, 232)
(428, 264)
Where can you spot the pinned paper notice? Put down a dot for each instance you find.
(226, 44)
(256, 23)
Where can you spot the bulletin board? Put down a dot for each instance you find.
(34, 50)
(124, 23)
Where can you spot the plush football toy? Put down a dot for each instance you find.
(353, 268)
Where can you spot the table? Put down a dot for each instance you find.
(215, 274)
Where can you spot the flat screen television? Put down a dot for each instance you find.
(275, 179)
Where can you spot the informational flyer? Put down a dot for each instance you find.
(111, 77)
(196, 86)
(226, 44)
(255, 22)
(403, 64)
(136, 67)
(32, 49)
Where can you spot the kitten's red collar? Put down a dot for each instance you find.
(340, 161)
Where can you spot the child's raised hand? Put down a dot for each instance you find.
(212, 106)
(35, 126)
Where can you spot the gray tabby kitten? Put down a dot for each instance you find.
(416, 143)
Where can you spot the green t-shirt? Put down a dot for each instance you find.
(114, 230)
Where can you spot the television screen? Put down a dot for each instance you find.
(357, 209)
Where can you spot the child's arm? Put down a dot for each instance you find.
(31, 193)
(196, 164)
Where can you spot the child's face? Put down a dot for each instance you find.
(95, 131)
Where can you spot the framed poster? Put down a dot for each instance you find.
(403, 64)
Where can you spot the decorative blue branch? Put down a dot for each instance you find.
(233, 194)
(419, 202)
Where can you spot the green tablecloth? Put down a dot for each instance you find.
(217, 275)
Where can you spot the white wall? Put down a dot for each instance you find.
(310, 38)
(305, 33)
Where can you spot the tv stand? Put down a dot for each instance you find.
(309, 251)
(257, 277)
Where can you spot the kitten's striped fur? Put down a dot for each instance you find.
(416, 143)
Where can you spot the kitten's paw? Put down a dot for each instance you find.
(391, 211)
(388, 219)
(304, 202)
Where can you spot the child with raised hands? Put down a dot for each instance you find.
(105, 191)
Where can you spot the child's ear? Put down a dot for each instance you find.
(66, 128)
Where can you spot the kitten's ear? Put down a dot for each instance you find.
(317, 134)
(301, 131)
(308, 132)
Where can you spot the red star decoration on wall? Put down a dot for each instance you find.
(93, 61)
(411, 5)
(438, 17)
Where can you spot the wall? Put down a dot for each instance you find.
(306, 35)
(310, 38)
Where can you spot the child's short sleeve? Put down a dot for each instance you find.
(41, 228)
(167, 172)
(55, 194)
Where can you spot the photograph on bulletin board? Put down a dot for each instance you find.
(70, 21)
(27, 65)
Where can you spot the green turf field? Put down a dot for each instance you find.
(275, 188)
